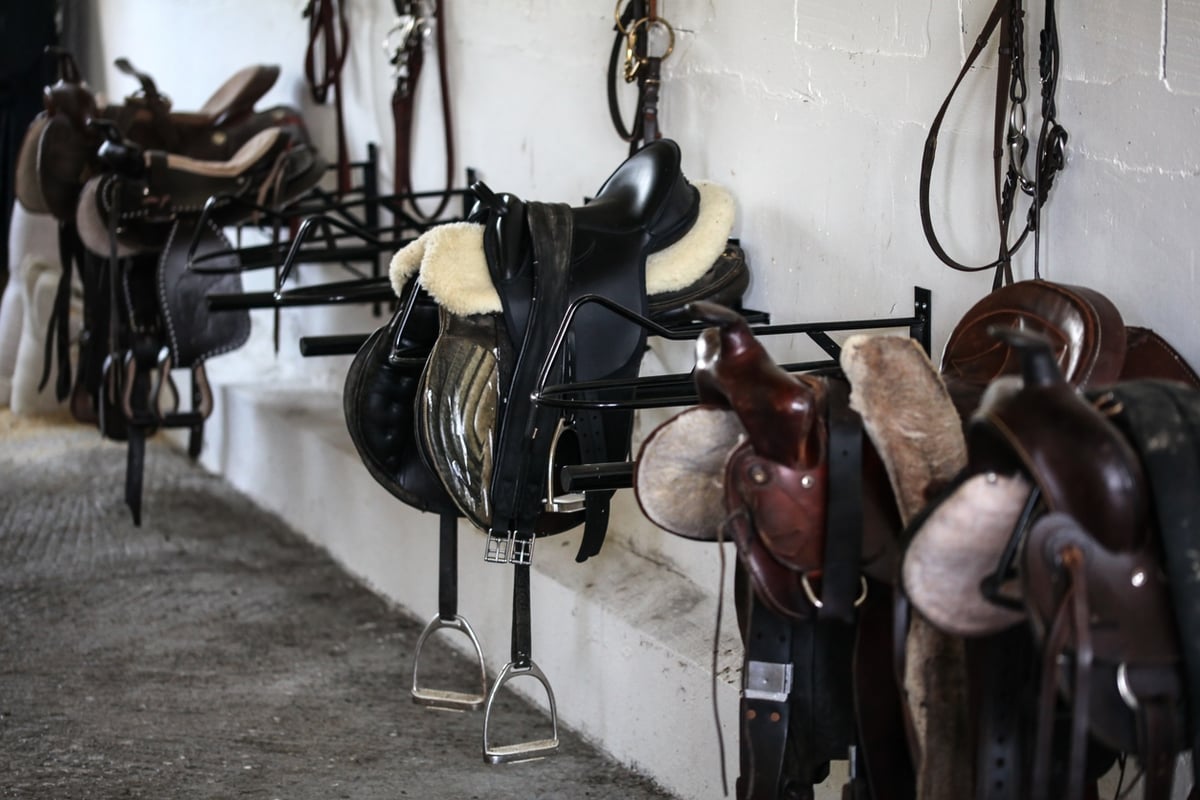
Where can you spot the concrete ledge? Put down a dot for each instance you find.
(626, 642)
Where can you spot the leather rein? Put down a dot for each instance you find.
(324, 58)
(1010, 142)
(406, 41)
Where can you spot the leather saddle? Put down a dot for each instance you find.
(1092, 572)
(752, 464)
(59, 151)
(462, 424)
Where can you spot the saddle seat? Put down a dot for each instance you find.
(156, 187)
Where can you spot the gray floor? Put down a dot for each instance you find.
(212, 653)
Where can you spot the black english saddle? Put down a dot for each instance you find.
(439, 401)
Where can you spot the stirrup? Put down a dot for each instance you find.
(522, 751)
(503, 547)
(443, 698)
(566, 502)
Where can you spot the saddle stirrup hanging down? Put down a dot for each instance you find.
(448, 618)
(521, 665)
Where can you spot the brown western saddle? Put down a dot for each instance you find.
(127, 184)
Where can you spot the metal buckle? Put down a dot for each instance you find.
(498, 547)
(768, 680)
(506, 548)
(522, 751)
(446, 699)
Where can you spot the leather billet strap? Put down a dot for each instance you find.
(409, 60)
(797, 701)
(448, 567)
(767, 677)
(328, 46)
(1005, 661)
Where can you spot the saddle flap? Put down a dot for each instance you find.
(195, 333)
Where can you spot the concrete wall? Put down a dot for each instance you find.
(813, 112)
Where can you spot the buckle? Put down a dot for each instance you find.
(446, 699)
(499, 545)
(505, 548)
(521, 751)
(768, 680)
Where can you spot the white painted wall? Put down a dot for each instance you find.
(813, 112)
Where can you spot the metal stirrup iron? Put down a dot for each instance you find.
(521, 665)
(448, 618)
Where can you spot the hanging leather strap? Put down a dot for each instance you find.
(1001, 12)
(324, 58)
(409, 60)
(448, 567)
(840, 580)
(58, 331)
(767, 677)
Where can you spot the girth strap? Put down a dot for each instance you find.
(526, 431)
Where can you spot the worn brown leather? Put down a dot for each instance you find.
(779, 586)
(1148, 355)
(1131, 625)
(1084, 327)
(1049, 429)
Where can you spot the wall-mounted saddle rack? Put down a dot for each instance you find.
(661, 391)
(326, 228)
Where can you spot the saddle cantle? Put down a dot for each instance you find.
(1083, 327)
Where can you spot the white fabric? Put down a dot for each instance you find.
(32, 238)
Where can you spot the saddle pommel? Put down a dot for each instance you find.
(1039, 367)
(777, 409)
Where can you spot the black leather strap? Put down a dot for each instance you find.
(58, 334)
(767, 677)
(447, 566)
(522, 626)
(1007, 696)
(841, 584)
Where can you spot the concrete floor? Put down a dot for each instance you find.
(212, 653)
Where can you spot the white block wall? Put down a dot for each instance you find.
(814, 113)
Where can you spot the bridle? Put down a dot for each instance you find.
(1010, 139)
(324, 58)
(405, 44)
(633, 27)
